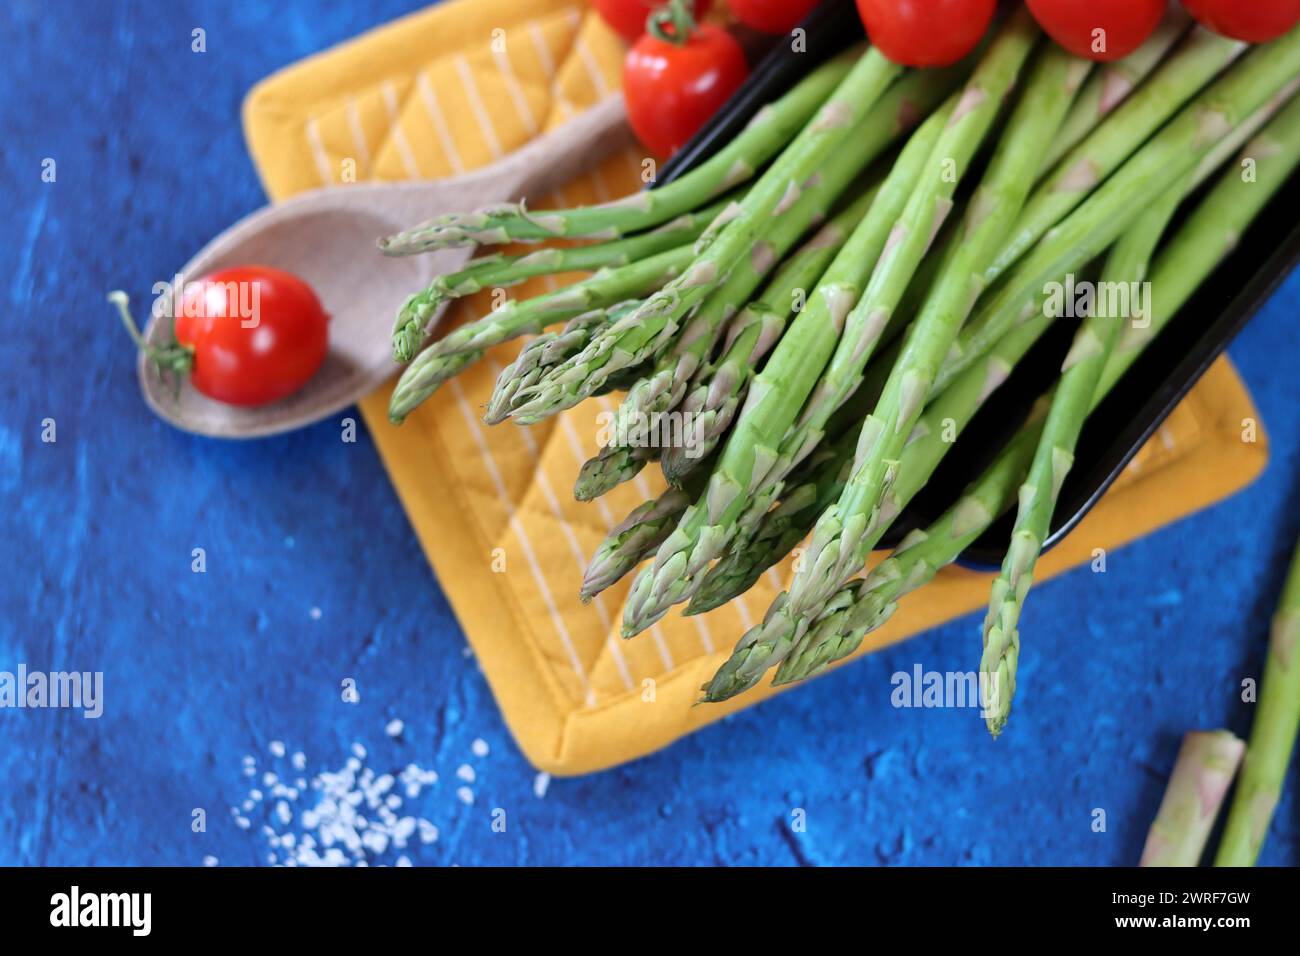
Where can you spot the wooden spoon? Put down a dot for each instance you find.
(327, 237)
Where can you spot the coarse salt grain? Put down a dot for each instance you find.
(209, 861)
(465, 772)
(479, 747)
(394, 728)
(466, 796)
(540, 783)
(276, 747)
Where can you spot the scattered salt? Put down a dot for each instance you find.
(394, 728)
(465, 772)
(299, 761)
(314, 613)
(276, 747)
(540, 783)
(466, 796)
(479, 747)
(209, 861)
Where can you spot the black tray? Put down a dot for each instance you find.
(1139, 403)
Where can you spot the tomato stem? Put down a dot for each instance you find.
(173, 357)
(676, 14)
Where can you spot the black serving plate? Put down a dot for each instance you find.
(1136, 406)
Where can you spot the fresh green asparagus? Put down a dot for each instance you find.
(1272, 735)
(777, 391)
(767, 134)
(500, 271)
(606, 288)
(1185, 261)
(1202, 775)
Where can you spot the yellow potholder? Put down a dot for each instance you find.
(455, 87)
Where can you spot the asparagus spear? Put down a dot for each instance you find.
(641, 335)
(1053, 458)
(1181, 266)
(500, 271)
(775, 394)
(1194, 63)
(1202, 774)
(1112, 83)
(714, 394)
(770, 130)
(607, 287)
(1272, 735)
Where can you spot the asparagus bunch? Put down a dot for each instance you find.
(1171, 153)
(1052, 84)
(781, 386)
(1185, 261)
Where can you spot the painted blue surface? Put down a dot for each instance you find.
(97, 529)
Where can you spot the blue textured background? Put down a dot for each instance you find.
(96, 533)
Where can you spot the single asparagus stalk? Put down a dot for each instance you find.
(840, 540)
(1194, 63)
(770, 130)
(1194, 251)
(500, 271)
(715, 393)
(608, 287)
(775, 395)
(1206, 764)
(1112, 83)
(1053, 458)
(641, 335)
(1272, 735)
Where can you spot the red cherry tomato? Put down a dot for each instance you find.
(1255, 21)
(628, 17)
(1099, 29)
(772, 16)
(672, 88)
(926, 32)
(256, 334)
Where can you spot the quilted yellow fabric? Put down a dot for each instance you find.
(453, 88)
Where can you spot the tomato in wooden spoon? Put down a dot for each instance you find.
(247, 335)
